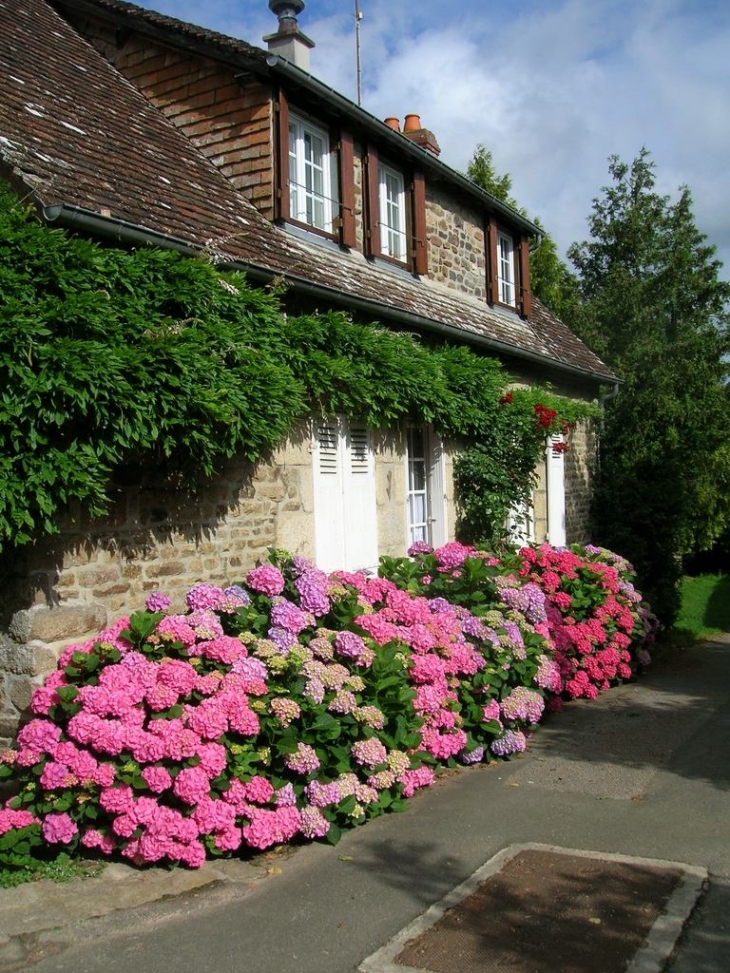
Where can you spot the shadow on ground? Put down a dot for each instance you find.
(674, 718)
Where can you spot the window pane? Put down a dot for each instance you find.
(392, 213)
(310, 175)
(417, 503)
(506, 269)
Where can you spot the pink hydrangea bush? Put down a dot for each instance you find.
(464, 660)
(599, 625)
(581, 601)
(239, 723)
(295, 704)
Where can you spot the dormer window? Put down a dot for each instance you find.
(392, 199)
(506, 269)
(395, 225)
(312, 188)
(314, 175)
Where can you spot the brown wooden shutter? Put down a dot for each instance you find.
(420, 242)
(348, 236)
(372, 207)
(282, 203)
(491, 255)
(523, 260)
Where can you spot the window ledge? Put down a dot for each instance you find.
(393, 266)
(318, 237)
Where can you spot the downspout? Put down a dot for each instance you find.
(123, 231)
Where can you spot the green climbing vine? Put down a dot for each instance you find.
(109, 355)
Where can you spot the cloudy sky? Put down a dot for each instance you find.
(551, 87)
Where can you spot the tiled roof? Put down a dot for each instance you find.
(77, 134)
(141, 18)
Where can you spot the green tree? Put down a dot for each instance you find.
(653, 306)
(551, 280)
(481, 170)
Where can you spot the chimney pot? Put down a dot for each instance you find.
(416, 133)
(288, 41)
(393, 123)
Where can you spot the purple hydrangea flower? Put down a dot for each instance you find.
(157, 602)
(511, 741)
(474, 756)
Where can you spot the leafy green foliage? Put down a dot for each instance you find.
(654, 308)
(111, 356)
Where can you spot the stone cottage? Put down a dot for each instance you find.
(127, 125)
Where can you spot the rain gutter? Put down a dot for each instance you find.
(123, 231)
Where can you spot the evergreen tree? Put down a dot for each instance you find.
(481, 170)
(654, 308)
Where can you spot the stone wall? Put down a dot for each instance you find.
(456, 245)
(579, 461)
(162, 536)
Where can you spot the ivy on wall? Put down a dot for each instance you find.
(109, 355)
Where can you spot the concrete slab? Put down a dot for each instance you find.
(447, 936)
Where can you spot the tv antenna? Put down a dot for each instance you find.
(358, 18)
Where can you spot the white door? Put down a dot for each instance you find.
(344, 496)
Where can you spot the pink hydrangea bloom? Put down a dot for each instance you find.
(272, 827)
(259, 790)
(369, 753)
(303, 761)
(412, 780)
(191, 785)
(313, 823)
(10, 819)
(205, 596)
(266, 579)
(157, 779)
(59, 829)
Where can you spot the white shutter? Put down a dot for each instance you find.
(344, 496)
(361, 534)
(437, 490)
(521, 524)
(328, 485)
(556, 492)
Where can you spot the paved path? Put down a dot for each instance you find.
(643, 771)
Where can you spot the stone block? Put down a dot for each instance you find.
(98, 575)
(169, 569)
(20, 689)
(53, 624)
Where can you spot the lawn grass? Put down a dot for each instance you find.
(705, 607)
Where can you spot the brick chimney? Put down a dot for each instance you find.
(413, 130)
(289, 42)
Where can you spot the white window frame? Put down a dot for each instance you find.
(312, 175)
(556, 528)
(425, 491)
(506, 269)
(521, 523)
(392, 213)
